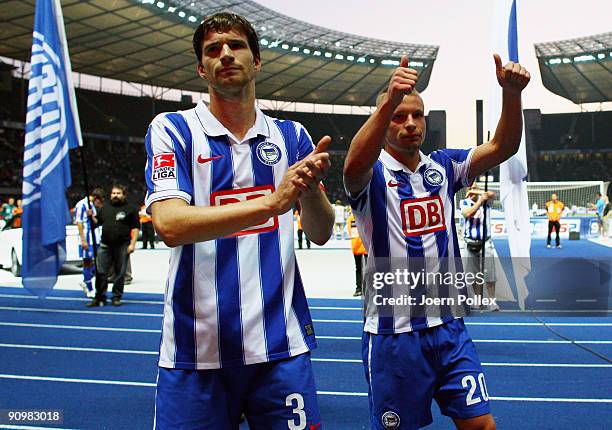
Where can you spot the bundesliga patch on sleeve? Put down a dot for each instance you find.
(164, 166)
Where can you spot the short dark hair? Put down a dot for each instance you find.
(97, 193)
(224, 22)
(121, 187)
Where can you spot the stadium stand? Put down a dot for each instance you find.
(114, 126)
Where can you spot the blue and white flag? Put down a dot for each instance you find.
(513, 172)
(52, 128)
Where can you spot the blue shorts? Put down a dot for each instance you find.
(86, 254)
(406, 371)
(275, 395)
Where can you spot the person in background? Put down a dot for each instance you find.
(7, 213)
(300, 231)
(146, 227)
(472, 209)
(599, 206)
(554, 210)
(120, 227)
(84, 220)
(339, 221)
(17, 213)
(606, 217)
(359, 253)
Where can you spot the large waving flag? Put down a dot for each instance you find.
(513, 172)
(52, 128)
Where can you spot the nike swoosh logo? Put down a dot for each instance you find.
(203, 160)
(393, 184)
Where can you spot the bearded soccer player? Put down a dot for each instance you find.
(411, 361)
(222, 181)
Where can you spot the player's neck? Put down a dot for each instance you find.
(408, 159)
(236, 111)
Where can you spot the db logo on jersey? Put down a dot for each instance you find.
(422, 215)
(164, 166)
(227, 197)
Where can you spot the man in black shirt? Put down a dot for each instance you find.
(120, 226)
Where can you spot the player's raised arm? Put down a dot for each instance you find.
(368, 142)
(512, 78)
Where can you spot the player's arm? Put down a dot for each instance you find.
(505, 142)
(84, 243)
(133, 239)
(369, 141)
(317, 215)
(135, 224)
(179, 223)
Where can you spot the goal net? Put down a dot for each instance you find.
(576, 195)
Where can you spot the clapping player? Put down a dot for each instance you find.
(222, 180)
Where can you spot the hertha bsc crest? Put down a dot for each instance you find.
(268, 153)
(390, 420)
(433, 177)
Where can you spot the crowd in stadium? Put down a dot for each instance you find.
(575, 166)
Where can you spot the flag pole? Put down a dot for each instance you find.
(87, 194)
(484, 211)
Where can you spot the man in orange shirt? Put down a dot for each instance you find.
(359, 253)
(300, 231)
(17, 213)
(554, 209)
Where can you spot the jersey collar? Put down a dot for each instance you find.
(392, 164)
(213, 127)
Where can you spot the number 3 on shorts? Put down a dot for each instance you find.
(299, 410)
(470, 381)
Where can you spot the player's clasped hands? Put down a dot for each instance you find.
(512, 76)
(303, 177)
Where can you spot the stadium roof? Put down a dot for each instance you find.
(149, 42)
(578, 69)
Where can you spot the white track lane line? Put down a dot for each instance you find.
(356, 338)
(329, 308)
(332, 321)
(322, 393)
(159, 302)
(323, 360)
(79, 327)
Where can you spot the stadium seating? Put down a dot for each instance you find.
(563, 146)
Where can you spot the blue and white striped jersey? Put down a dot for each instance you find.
(404, 215)
(236, 300)
(472, 228)
(80, 217)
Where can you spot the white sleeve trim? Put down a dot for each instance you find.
(465, 180)
(165, 195)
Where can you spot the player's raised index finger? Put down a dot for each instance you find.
(498, 62)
